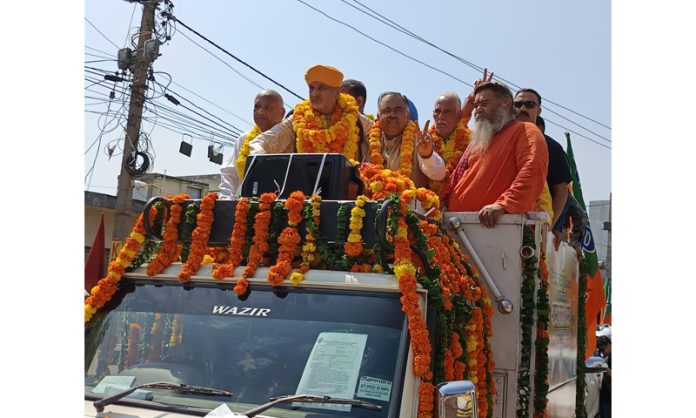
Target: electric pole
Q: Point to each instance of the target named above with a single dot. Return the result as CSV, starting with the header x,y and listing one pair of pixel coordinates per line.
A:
x,y
141,63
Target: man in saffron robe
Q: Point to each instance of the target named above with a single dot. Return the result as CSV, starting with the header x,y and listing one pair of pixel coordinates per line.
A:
x,y
326,108
268,111
505,166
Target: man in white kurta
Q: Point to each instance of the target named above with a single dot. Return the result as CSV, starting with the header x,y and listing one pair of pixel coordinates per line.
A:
x,y
393,117
268,111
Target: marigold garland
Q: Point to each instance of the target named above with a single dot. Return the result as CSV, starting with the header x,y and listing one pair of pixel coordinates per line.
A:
x,y
199,238
526,322
289,240
237,239
580,388
450,149
312,214
405,273
381,183
541,346
406,152
106,287
259,246
316,135
240,163
354,246
168,250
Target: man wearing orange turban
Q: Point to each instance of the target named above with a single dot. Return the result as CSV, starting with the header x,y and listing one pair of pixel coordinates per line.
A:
x,y
328,122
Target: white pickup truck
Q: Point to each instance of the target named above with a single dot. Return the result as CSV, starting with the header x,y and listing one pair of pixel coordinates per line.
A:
x,y
335,345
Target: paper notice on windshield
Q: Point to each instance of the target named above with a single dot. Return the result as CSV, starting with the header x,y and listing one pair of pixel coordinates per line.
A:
x,y
332,368
374,388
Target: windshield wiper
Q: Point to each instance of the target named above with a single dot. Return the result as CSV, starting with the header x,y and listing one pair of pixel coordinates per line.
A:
x,y
179,387
311,399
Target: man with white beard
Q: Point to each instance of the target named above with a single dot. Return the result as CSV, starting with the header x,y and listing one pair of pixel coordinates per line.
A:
x,y
505,165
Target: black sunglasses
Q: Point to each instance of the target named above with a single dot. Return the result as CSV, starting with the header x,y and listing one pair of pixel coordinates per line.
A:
x,y
526,103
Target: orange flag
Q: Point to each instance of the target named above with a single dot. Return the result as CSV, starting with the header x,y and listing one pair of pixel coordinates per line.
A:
x,y
594,308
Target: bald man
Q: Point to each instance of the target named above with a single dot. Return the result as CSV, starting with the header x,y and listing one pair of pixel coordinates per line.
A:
x,y
268,111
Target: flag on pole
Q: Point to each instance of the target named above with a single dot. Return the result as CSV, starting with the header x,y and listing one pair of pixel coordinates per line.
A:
x,y
94,265
595,299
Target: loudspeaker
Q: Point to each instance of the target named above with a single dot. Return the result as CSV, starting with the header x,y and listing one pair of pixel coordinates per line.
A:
x,y
338,179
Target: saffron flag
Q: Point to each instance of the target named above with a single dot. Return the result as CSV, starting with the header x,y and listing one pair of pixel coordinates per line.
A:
x,y
595,300
607,308
94,265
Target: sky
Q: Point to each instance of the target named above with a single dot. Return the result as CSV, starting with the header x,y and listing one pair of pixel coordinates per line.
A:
x,y
561,49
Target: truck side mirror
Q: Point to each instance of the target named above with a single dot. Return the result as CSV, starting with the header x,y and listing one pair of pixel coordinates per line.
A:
x,y
456,399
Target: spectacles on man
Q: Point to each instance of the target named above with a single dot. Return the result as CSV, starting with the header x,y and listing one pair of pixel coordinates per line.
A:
x,y
529,104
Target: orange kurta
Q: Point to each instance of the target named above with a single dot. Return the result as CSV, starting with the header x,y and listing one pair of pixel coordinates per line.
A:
x,y
511,172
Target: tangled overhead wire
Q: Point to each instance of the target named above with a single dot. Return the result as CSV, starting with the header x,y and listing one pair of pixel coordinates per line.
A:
x,y
142,158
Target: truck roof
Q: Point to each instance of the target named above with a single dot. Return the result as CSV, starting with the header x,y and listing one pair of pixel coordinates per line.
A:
x,y
324,279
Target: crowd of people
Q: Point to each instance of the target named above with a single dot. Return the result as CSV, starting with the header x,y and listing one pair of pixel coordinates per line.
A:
x,y
505,164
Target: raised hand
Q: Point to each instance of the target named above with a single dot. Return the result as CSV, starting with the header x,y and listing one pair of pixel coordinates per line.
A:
x,y
468,105
424,143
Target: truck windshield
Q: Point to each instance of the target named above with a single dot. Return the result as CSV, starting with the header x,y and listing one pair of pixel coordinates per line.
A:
x,y
336,343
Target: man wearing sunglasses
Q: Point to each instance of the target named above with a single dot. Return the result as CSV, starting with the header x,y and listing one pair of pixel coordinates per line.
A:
x,y
528,105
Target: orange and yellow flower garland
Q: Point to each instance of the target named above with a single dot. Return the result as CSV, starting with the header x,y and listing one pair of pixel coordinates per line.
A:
x,y
309,249
169,250
106,287
259,246
316,135
289,239
405,273
354,245
429,200
407,143
451,150
237,238
199,238
240,163
381,183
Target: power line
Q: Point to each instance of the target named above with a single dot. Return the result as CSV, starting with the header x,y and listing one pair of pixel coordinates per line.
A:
x,y
219,107
169,15
425,64
578,134
100,32
97,50
228,65
129,25
462,60
223,61
387,46
216,117
193,122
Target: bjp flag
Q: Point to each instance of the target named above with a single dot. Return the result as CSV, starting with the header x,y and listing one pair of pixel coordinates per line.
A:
x,y
595,299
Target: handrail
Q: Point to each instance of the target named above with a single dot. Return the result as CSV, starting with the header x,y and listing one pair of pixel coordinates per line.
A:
x,y
504,305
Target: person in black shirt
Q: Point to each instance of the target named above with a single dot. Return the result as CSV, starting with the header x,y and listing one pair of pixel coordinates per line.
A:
x,y
604,348
528,105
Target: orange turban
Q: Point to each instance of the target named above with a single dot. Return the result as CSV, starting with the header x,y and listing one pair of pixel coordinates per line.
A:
x,y
330,76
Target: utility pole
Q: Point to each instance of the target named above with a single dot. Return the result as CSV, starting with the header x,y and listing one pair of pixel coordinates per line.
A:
x,y
123,223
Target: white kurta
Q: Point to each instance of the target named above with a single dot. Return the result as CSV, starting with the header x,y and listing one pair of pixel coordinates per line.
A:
x,y
229,177
432,167
281,138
